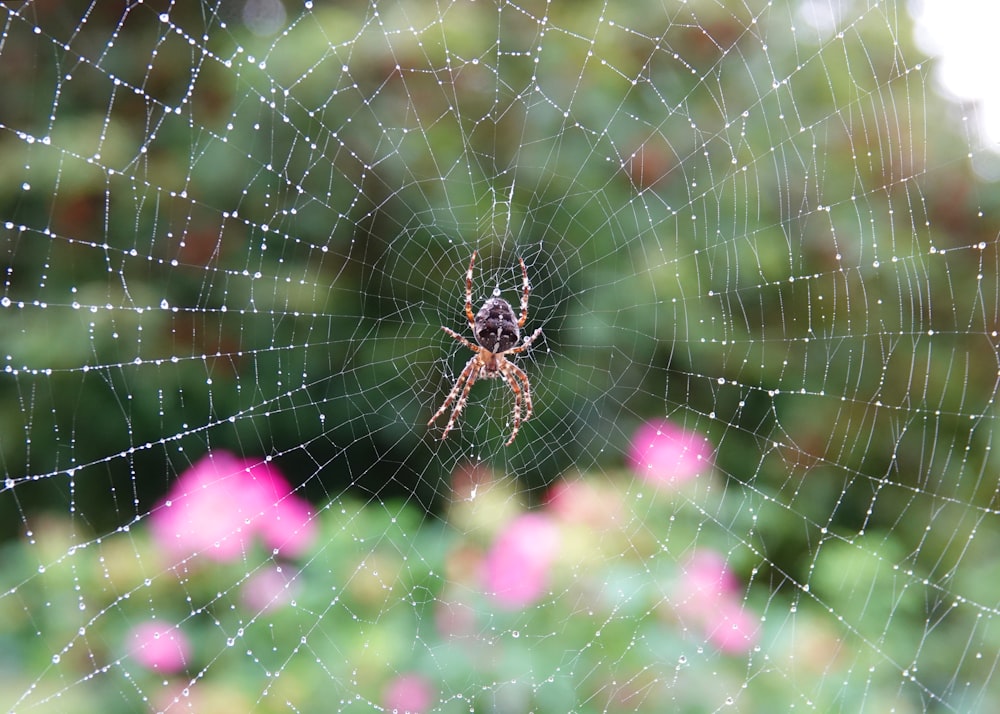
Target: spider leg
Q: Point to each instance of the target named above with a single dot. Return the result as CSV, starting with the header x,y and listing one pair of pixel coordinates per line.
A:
x,y
468,293
506,371
463,377
473,369
474,348
519,374
524,295
527,342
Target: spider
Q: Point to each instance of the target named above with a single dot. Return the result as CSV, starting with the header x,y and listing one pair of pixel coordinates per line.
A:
x,y
497,333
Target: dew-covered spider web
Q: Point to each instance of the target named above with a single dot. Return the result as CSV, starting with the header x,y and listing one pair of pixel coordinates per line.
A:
x,y
757,476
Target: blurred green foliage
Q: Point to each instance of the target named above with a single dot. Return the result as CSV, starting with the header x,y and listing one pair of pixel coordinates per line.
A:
x,y
386,590
255,252
216,240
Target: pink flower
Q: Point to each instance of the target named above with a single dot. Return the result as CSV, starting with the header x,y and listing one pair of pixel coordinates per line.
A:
x,y
733,630
454,618
585,503
516,570
667,455
268,589
707,579
160,646
222,502
408,694
709,593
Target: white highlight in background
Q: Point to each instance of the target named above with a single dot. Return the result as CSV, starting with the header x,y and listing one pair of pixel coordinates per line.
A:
x,y
962,35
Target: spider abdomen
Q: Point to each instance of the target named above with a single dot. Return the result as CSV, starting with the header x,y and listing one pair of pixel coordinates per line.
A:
x,y
496,326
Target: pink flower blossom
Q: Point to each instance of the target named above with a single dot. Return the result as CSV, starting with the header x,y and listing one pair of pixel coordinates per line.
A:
x,y
710,595
269,589
160,646
668,455
222,502
584,503
408,694
707,579
454,618
734,630
516,570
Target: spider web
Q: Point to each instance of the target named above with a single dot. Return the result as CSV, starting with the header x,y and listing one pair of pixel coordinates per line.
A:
x,y
763,257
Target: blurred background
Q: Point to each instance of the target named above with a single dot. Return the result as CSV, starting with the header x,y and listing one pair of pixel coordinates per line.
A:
x,y
761,243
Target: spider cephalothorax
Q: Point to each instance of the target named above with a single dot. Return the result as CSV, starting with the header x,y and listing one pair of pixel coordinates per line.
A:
x,y
498,332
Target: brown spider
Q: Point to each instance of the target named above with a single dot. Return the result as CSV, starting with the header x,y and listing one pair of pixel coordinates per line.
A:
x,y
497,333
